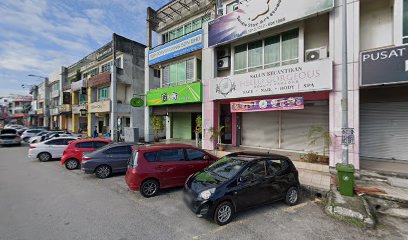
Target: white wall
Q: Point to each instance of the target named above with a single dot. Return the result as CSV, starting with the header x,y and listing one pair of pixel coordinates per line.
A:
x,y
121,92
376,24
317,32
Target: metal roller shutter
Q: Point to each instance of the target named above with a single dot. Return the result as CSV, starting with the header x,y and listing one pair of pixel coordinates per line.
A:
x,y
384,130
260,129
296,125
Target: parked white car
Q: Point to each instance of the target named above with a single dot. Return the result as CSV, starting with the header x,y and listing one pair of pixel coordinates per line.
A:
x,y
37,138
49,149
27,134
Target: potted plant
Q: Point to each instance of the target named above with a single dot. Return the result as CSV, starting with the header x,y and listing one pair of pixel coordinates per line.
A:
x,y
217,133
157,125
320,133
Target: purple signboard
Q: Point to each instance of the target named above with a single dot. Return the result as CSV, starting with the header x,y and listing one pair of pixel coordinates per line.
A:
x,y
279,104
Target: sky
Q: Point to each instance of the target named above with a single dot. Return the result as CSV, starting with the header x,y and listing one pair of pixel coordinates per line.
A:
x,y
39,36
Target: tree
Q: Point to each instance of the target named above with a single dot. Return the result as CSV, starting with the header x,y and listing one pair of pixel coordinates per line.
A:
x,y
157,125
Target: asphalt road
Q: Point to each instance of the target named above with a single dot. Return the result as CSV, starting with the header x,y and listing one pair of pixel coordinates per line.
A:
x,y
41,201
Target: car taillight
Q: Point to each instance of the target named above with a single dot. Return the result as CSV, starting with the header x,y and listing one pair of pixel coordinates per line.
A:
x,y
32,147
18,138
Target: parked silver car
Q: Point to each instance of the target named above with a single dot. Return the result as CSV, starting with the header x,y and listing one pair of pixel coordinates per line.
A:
x,y
9,137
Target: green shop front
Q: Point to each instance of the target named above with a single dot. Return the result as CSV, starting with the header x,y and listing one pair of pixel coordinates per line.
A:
x,y
180,105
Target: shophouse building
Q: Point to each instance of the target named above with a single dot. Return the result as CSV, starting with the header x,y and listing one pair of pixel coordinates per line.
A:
x,y
18,108
54,83
382,34
42,111
174,66
102,90
272,73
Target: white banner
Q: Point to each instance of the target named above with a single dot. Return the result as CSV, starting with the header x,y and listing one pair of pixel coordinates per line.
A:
x,y
303,77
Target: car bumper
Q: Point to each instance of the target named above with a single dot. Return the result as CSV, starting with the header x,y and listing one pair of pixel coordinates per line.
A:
x,y
9,142
202,208
87,170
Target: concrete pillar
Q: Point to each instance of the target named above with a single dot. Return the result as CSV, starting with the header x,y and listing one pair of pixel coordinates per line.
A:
x,y
335,97
168,126
209,108
90,122
148,132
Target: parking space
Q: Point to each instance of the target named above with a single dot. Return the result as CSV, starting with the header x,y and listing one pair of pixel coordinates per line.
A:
x,y
46,201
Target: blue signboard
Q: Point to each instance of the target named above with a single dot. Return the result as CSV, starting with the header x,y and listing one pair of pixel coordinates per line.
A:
x,y
189,43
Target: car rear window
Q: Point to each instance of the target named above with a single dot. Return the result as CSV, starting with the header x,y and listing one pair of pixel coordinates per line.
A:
x,y
84,145
171,155
150,156
100,144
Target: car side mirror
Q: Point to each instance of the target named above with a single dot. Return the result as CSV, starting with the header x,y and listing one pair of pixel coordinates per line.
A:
x,y
206,157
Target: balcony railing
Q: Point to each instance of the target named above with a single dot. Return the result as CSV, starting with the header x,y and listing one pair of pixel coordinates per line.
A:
x,y
99,80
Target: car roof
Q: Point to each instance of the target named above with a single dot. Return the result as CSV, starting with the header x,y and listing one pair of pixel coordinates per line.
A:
x,y
257,155
92,140
159,146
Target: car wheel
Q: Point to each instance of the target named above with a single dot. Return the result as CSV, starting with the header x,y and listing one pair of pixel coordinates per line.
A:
x,y
44,157
71,164
224,213
292,196
149,188
103,171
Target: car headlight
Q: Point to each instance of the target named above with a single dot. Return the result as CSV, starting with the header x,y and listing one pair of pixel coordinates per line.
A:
x,y
206,194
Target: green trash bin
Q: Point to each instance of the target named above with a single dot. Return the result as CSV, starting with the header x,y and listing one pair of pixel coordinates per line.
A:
x,y
345,173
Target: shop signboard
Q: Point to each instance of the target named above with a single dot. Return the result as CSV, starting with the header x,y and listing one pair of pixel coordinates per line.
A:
x,y
347,136
189,43
257,15
98,107
279,104
77,109
304,77
384,66
187,93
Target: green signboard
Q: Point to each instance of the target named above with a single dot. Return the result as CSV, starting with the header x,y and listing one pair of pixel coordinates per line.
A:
x,y
136,102
187,93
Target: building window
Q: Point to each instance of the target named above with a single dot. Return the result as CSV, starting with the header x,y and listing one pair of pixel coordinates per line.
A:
x,y
91,73
275,51
156,73
178,73
232,6
405,23
106,67
103,93
186,28
55,87
83,98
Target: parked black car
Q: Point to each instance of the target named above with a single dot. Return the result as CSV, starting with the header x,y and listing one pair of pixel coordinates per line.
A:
x,y
109,159
239,181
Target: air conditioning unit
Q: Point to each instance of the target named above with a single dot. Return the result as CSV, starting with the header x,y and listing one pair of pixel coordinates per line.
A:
x,y
315,54
223,63
223,52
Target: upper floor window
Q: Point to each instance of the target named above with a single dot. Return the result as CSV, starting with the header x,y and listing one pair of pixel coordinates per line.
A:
x,y
185,29
106,67
275,51
233,6
91,73
83,98
103,93
405,23
178,73
55,87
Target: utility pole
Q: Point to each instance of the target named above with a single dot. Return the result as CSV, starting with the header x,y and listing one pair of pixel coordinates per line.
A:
x,y
344,101
114,102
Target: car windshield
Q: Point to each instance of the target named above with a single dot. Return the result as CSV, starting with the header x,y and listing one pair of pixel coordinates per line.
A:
x,y
227,167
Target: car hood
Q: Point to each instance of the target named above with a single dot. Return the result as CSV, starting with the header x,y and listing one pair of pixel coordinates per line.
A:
x,y
204,180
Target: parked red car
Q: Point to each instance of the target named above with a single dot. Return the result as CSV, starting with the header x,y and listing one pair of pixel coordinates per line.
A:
x,y
153,167
72,156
